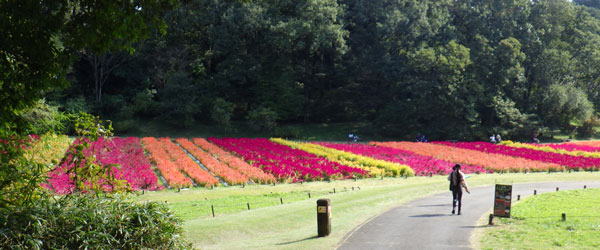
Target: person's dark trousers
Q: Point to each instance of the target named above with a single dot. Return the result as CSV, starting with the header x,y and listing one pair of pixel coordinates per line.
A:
x,y
456,197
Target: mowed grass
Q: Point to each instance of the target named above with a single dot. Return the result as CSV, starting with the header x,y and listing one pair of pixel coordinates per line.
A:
x,y
293,224
537,223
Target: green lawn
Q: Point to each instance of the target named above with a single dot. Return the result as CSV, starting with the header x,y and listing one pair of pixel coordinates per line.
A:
x,y
537,224
293,224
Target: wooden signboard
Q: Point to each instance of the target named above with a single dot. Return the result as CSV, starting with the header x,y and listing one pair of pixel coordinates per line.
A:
x,y
502,200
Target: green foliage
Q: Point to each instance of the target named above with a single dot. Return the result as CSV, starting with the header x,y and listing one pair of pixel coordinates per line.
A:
x,y
263,119
76,105
393,64
179,101
90,222
564,104
20,177
221,112
511,121
40,41
43,118
287,132
588,127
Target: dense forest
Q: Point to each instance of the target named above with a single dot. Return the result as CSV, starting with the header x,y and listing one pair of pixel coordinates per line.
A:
x,y
454,69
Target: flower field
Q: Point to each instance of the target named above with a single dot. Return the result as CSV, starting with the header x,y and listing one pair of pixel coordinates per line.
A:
x,y
563,160
218,168
373,166
127,153
253,173
186,165
153,163
167,167
574,150
589,147
286,163
421,165
495,162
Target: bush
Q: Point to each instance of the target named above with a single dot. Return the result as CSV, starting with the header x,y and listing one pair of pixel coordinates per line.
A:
x,y
43,118
74,222
262,118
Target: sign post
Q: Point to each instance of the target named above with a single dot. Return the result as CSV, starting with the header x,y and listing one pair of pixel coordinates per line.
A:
x,y
323,217
502,200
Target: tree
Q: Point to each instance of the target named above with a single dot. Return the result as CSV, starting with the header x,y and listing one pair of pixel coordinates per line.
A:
x,y
102,66
40,41
564,104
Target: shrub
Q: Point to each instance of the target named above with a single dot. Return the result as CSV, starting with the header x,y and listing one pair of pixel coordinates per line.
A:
x,y
43,118
89,222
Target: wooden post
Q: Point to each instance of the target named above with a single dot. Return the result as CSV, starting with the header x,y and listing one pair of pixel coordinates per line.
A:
x,y
556,189
564,217
281,200
534,192
491,221
334,190
309,195
212,208
519,197
248,204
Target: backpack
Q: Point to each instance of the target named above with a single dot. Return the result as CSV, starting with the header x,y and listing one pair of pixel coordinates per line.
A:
x,y
453,186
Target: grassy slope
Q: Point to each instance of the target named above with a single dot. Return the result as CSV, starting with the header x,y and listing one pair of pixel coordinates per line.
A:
x,y
293,225
536,223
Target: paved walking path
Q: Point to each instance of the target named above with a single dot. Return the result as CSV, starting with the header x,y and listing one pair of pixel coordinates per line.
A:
x,y
428,224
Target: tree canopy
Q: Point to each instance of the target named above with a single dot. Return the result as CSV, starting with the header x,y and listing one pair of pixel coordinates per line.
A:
x,y
451,69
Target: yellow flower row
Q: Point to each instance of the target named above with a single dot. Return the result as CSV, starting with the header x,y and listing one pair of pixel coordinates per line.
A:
x,y
49,149
551,150
373,166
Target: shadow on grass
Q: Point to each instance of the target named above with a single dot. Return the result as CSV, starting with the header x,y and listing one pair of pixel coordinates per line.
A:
x,y
296,241
429,215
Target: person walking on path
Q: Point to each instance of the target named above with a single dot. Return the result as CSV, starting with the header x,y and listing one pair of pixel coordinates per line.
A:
x,y
457,182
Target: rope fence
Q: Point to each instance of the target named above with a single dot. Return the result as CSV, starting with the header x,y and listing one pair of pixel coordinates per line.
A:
x,y
213,209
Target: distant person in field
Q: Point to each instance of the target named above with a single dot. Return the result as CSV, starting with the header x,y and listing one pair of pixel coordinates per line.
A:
x,y
457,183
498,138
493,139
